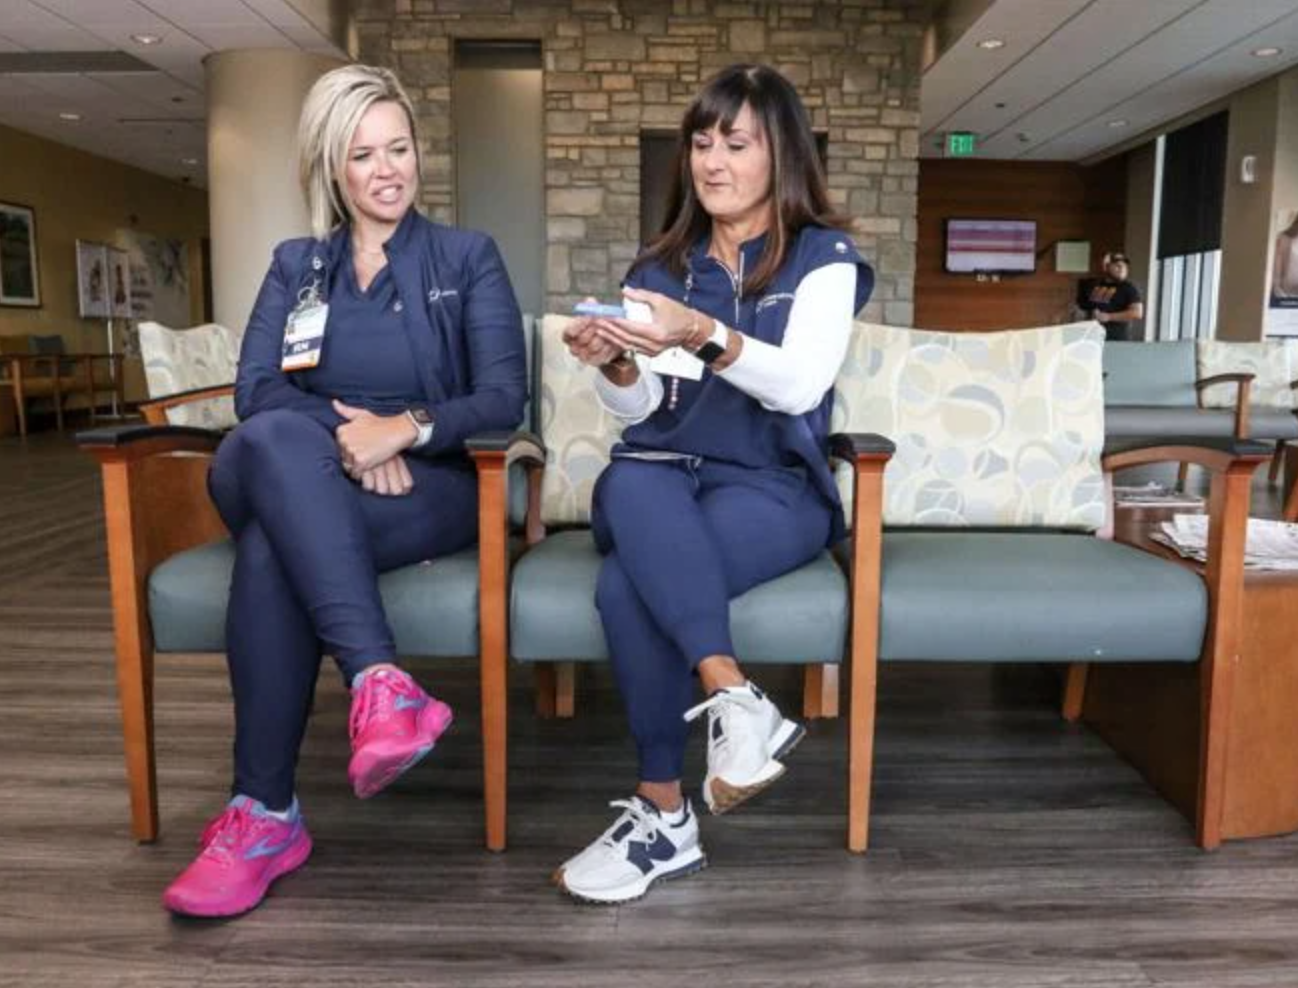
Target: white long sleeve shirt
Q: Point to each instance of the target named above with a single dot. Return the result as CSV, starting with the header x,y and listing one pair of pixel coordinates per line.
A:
x,y
792,377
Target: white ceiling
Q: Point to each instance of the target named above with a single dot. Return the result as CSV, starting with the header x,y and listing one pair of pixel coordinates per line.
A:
x,y
1069,67
154,120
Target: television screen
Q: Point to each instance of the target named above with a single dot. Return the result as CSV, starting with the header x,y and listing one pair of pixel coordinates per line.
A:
x,y
994,246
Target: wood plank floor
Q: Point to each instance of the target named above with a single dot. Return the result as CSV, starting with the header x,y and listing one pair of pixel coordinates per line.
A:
x,y
1010,850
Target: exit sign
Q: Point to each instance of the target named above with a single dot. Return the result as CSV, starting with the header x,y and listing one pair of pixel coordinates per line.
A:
x,y
960,145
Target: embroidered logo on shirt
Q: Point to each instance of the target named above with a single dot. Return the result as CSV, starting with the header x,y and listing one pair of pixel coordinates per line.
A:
x,y
840,247
437,294
773,299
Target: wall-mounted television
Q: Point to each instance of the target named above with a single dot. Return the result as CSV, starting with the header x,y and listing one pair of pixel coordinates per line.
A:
x,y
991,246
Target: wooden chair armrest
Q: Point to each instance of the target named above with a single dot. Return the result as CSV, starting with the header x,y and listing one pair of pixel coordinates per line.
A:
x,y
155,409
494,453
1244,382
132,443
1215,455
851,446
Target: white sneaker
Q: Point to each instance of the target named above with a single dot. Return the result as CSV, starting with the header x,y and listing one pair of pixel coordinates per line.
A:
x,y
747,737
638,850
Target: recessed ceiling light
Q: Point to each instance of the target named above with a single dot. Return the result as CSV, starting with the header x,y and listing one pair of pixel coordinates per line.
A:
x,y
1266,52
991,44
146,39
69,115
1115,124
189,161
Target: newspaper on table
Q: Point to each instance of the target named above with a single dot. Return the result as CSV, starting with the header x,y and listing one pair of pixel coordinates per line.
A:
x,y
1270,544
1153,495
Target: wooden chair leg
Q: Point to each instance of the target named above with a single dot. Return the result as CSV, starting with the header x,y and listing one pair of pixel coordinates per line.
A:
x,y
1075,691
135,694
133,644
1182,476
58,400
860,744
1277,461
20,400
1290,512
543,678
820,691
565,689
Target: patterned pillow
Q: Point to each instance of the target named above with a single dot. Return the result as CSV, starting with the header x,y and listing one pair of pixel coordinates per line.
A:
x,y
577,430
177,360
1273,362
999,429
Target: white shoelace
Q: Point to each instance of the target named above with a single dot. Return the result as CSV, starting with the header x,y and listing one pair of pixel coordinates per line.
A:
x,y
644,827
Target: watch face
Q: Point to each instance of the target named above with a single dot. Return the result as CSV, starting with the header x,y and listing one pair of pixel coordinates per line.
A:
x,y
421,416
709,352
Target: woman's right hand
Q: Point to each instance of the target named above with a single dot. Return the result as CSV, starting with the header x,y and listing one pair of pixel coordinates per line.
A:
x,y
391,478
585,342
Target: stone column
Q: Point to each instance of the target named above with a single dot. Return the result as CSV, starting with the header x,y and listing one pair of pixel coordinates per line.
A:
x,y
254,98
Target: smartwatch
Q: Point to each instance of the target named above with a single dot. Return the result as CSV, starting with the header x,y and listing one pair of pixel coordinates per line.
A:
x,y
715,347
422,421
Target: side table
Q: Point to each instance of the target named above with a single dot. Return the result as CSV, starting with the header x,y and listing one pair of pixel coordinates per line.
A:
x,y
1150,714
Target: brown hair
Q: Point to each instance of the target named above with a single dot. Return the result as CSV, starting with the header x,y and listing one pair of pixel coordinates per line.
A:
x,y
798,190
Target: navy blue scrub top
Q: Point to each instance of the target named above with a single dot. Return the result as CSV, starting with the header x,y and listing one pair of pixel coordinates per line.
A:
x,y
366,361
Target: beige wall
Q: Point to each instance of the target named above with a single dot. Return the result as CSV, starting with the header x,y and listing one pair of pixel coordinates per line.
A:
x,y
1138,236
1246,213
80,196
1264,123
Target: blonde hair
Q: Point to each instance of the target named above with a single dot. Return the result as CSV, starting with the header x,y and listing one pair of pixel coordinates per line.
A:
x,y
330,115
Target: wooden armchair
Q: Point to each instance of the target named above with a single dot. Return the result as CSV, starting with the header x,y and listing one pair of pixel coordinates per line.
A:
x,y
170,560
981,544
56,375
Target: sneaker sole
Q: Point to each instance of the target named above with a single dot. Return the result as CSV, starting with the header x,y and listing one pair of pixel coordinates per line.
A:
x,y
287,863
722,797
636,891
380,770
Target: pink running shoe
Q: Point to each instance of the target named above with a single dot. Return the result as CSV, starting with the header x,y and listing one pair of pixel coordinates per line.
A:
x,y
244,850
393,725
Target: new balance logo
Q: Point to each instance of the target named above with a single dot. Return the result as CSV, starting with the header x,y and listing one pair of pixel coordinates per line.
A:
x,y
643,855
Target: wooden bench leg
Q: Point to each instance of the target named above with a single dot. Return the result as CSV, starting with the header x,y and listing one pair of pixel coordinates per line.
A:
x,y
820,691
1182,476
565,689
1075,691
1277,460
556,689
543,679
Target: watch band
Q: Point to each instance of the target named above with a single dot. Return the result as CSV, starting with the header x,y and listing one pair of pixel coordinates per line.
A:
x,y
423,422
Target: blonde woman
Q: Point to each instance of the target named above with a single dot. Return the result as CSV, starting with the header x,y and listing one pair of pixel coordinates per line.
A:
x,y
376,347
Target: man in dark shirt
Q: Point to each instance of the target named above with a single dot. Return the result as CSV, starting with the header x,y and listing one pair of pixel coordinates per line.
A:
x,y
1112,300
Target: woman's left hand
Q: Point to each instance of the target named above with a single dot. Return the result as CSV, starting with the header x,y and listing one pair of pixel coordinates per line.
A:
x,y
672,324
365,440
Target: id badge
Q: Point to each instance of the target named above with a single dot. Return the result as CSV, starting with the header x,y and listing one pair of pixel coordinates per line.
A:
x,y
677,362
304,336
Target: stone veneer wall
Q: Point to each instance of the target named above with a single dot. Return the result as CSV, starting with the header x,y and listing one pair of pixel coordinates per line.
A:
x,y
613,67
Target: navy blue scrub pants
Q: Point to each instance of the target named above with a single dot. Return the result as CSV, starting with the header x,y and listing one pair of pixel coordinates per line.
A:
x,y
681,539
309,545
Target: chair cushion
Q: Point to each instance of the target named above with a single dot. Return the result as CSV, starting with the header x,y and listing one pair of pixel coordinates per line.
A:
x,y
1273,362
432,607
996,429
995,596
1150,374
800,617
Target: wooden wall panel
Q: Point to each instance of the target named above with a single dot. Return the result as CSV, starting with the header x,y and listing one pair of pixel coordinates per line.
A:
x,y
1068,201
